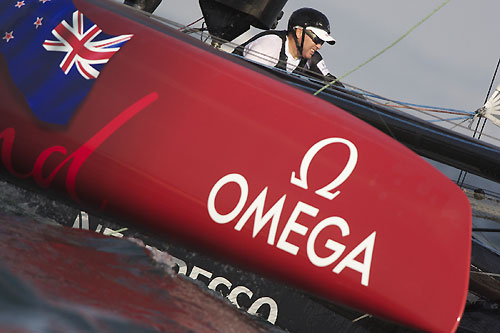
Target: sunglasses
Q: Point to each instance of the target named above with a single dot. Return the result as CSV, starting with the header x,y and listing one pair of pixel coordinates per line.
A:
x,y
314,38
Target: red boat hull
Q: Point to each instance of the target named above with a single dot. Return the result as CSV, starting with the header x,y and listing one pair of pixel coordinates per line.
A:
x,y
190,143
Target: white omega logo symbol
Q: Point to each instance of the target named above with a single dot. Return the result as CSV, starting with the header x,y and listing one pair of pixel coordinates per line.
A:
x,y
326,191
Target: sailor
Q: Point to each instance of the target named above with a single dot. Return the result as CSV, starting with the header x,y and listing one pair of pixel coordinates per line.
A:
x,y
295,49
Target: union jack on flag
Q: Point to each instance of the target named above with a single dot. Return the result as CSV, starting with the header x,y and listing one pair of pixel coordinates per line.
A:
x,y
80,48
53,63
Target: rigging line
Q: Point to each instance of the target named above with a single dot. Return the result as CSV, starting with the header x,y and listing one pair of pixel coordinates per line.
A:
x,y
201,34
486,99
371,107
464,118
467,114
461,178
410,107
386,125
492,81
431,108
297,75
482,127
267,57
190,24
420,108
437,110
385,49
488,94
463,121
479,121
372,95
486,273
271,59
368,94
264,57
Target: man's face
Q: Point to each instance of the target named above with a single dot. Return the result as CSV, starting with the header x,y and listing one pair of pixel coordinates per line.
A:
x,y
309,46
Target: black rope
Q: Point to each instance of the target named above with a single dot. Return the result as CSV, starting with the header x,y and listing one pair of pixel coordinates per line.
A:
x,y
488,94
462,172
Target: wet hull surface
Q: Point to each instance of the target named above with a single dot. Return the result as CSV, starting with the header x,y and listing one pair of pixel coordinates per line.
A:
x,y
54,278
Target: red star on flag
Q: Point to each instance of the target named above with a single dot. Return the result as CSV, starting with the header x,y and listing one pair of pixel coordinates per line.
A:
x,y
8,36
19,4
38,22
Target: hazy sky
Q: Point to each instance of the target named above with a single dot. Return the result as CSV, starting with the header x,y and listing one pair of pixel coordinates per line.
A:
x,y
448,61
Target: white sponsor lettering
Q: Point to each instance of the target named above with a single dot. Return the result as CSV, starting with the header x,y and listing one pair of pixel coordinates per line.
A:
x,y
294,224
81,221
242,183
181,264
197,271
232,294
260,221
219,281
337,248
362,267
273,308
311,153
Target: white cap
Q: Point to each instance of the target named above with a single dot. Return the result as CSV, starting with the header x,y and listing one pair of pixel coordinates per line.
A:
x,y
323,35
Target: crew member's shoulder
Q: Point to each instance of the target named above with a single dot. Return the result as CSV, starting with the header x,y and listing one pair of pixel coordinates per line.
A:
x,y
268,39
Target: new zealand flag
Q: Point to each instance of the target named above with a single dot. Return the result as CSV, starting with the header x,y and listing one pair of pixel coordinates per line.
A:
x,y
54,54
